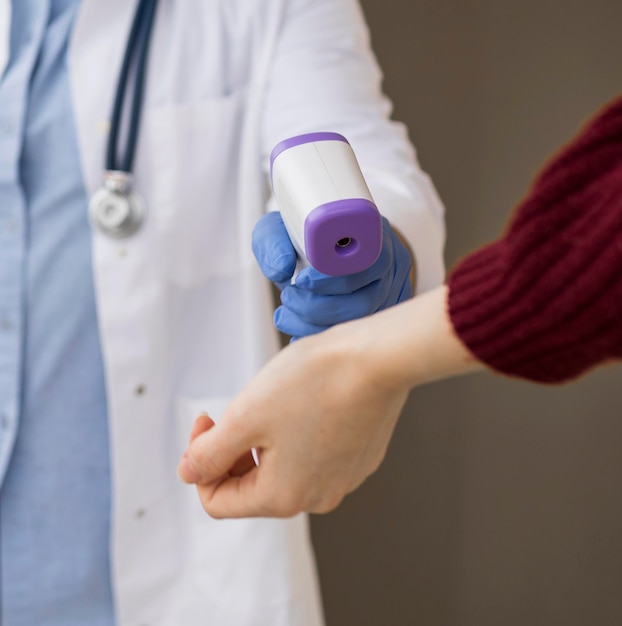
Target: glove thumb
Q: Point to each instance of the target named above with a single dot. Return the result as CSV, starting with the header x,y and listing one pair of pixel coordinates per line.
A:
x,y
273,249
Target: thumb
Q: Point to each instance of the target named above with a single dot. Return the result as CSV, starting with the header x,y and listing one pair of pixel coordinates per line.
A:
x,y
217,453
202,424
273,249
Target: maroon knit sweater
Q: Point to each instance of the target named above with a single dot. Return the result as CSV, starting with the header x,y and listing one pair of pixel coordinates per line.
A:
x,y
544,302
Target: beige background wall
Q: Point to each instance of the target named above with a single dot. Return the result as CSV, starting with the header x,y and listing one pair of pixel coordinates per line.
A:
x,y
500,503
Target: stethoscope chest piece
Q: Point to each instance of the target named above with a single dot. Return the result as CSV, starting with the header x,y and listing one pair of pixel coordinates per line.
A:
x,y
116,210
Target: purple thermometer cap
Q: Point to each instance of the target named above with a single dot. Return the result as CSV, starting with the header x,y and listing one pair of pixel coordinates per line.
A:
x,y
298,140
343,237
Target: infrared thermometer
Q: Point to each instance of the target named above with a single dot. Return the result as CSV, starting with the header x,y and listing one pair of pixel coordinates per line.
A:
x,y
326,206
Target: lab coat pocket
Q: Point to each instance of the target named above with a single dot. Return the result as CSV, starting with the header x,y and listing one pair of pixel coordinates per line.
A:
x,y
240,566
194,156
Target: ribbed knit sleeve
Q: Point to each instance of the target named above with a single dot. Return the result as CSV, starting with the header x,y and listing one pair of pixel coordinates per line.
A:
x,y
544,302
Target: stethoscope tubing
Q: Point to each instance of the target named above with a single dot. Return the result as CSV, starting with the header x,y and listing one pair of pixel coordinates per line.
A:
x,y
137,47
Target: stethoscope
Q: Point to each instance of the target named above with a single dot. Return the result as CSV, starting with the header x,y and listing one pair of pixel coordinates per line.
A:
x,y
116,209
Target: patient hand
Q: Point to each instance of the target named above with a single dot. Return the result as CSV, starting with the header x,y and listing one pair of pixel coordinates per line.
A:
x,y
320,416
322,412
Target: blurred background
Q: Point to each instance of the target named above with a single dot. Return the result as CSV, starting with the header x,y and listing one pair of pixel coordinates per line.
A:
x,y
500,502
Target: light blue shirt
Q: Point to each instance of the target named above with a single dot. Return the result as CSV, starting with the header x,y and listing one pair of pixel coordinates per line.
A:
x,y
54,465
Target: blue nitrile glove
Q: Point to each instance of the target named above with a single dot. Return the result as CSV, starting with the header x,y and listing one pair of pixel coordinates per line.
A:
x,y
318,301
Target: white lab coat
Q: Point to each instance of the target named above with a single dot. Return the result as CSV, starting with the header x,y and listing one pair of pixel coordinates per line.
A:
x,y
185,316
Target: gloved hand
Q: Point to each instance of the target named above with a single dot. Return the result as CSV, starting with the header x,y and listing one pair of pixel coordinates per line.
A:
x,y
317,301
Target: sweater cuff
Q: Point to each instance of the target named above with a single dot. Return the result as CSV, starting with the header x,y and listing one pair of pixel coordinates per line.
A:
x,y
545,301
525,327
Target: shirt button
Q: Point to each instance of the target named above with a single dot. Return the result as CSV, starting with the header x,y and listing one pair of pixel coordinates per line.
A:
x,y
9,226
7,126
5,324
5,422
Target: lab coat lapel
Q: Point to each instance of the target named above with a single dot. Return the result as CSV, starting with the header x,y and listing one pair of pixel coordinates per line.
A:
x,y
5,33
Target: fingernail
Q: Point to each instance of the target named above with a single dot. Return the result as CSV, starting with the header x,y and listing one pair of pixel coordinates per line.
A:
x,y
186,472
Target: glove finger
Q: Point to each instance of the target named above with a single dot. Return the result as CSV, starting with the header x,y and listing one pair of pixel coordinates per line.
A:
x,y
403,276
407,292
312,280
290,324
322,310
401,287
273,249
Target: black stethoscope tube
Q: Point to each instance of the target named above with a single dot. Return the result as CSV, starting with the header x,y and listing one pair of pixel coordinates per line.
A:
x,y
137,46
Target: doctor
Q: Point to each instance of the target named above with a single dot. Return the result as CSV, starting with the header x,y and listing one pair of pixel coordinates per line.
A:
x,y
115,333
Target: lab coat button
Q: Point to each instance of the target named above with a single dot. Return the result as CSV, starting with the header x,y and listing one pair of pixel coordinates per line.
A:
x,y
140,513
140,390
